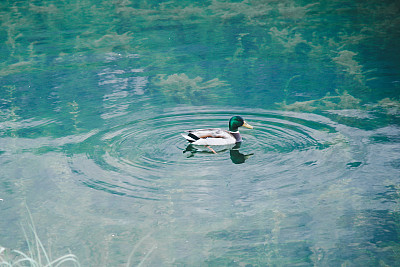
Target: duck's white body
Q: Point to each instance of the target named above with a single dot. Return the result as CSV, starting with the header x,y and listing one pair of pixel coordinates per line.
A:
x,y
212,137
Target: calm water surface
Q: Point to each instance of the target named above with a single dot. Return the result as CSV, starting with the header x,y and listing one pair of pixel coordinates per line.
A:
x,y
94,96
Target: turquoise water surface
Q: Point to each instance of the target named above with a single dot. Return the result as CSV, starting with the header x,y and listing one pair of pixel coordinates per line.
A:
x,y
94,96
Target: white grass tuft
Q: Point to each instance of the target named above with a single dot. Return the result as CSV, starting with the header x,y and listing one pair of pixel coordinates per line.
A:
x,y
36,255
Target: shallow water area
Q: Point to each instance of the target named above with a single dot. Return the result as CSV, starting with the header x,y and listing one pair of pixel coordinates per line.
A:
x,y
292,185
94,96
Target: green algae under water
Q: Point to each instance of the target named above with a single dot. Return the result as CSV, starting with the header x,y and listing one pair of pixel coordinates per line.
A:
x,y
94,96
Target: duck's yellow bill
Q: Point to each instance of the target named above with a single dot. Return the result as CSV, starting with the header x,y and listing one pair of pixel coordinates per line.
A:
x,y
245,124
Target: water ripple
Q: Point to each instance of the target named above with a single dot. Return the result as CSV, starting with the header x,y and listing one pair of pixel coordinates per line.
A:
x,y
145,157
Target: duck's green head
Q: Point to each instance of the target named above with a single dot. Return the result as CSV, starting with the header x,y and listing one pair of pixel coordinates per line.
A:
x,y
236,121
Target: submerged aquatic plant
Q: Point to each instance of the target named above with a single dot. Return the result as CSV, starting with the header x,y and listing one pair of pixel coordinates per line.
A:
x,y
391,106
288,38
36,256
345,59
105,43
135,250
340,101
181,88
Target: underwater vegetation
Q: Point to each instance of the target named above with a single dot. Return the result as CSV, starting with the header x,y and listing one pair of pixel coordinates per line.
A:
x,y
263,31
340,101
391,106
181,89
37,255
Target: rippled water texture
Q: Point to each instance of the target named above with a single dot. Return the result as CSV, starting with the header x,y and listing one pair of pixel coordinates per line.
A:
x,y
144,155
94,96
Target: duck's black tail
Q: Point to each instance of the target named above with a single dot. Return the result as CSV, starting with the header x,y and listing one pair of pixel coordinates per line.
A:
x,y
195,137
191,137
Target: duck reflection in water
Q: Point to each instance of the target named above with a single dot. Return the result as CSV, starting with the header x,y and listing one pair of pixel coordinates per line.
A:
x,y
236,156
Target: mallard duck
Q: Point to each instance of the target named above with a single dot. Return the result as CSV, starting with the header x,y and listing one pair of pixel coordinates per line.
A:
x,y
217,136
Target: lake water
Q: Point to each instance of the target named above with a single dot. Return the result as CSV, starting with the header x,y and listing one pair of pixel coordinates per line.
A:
x,y
94,96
